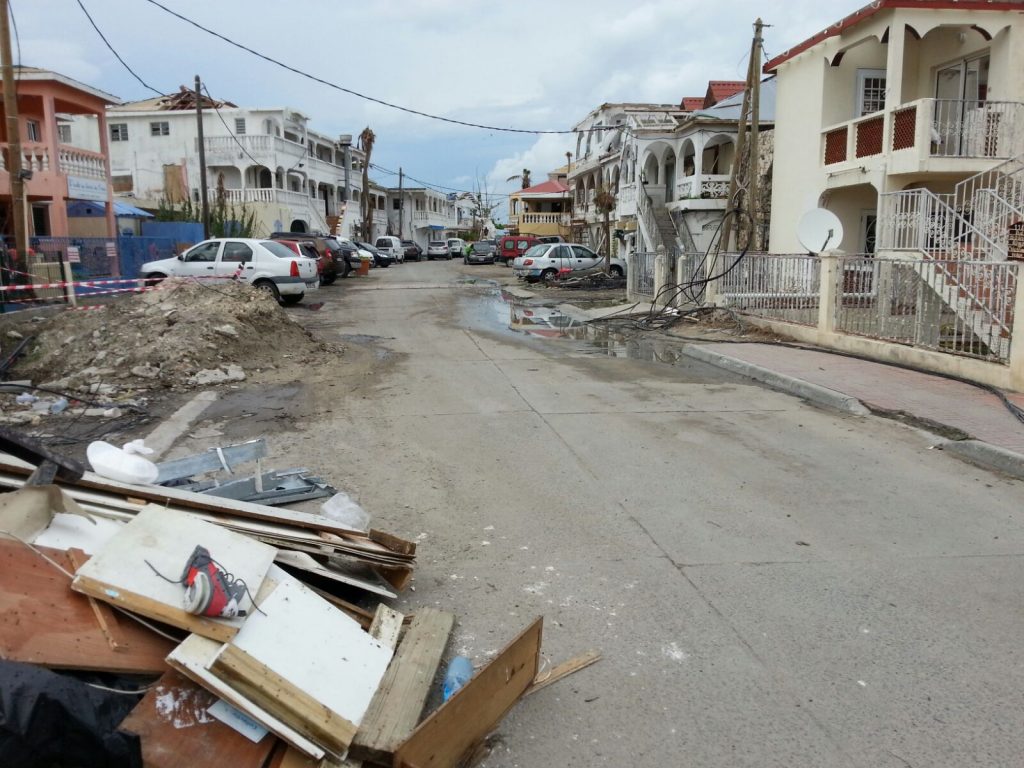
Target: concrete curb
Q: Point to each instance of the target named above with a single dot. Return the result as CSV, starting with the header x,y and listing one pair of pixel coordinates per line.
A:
x,y
987,456
829,398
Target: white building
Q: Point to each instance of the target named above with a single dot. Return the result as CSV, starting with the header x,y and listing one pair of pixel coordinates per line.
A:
x,y
422,214
269,160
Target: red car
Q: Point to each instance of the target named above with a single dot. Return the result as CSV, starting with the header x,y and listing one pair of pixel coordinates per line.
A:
x,y
513,246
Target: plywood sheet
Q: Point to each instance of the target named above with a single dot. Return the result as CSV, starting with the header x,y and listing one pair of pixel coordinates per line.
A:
x,y
193,657
162,539
87,534
460,724
177,731
42,621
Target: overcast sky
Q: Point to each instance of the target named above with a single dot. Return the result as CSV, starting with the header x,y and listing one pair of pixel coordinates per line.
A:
x,y
538,64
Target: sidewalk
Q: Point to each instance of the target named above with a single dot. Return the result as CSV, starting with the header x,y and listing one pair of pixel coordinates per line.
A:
x,y
969,409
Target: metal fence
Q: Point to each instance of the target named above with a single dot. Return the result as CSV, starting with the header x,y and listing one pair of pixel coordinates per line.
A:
x,y
963,307
774,286
640,274
134,251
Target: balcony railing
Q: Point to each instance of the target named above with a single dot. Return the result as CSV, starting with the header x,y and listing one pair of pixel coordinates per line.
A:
x,y
82,162
545,218
929,128
34,157
706,187
267,195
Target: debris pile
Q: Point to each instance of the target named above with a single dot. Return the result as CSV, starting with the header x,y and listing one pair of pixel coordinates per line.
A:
x,y
236,619
185,334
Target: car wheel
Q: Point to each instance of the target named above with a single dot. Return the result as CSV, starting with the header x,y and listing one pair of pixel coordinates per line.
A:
x,y
154,278
328,279
346,269
548,274
616,270
268,287
292,298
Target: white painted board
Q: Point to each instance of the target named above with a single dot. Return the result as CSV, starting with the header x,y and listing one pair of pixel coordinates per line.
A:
x,y
316,647
237,720
75,531
166,539
192,658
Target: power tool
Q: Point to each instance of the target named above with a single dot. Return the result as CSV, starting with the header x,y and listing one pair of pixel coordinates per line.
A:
x,y
209,589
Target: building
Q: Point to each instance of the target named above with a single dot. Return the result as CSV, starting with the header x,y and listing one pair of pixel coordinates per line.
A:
x,y
269,160
542,209
63,167
422,214
892,117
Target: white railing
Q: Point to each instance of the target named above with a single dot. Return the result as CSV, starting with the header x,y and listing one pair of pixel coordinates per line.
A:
x,y
776,286
34,157
647,222
920,220
959,307
561,219
82,162
975,128
220,147
640,273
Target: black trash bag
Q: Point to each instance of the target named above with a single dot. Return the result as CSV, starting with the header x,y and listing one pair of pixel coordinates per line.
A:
x,y
48,719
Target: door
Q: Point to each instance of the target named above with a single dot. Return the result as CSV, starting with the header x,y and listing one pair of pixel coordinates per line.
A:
x,y
959,122
236,260
200,261
870,92
583,258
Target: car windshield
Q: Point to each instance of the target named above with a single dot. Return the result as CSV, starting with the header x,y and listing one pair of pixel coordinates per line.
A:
x,y
438,244
481,247
536,252
278,249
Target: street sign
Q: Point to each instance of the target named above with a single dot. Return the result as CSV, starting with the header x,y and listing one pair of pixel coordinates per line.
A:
x,y
74,256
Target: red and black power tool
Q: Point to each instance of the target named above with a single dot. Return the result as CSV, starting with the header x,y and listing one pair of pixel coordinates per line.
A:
x,y
209,589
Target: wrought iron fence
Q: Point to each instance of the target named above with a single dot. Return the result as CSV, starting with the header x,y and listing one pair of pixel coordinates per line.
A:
x,y
964,307
640,274
776,286
975,128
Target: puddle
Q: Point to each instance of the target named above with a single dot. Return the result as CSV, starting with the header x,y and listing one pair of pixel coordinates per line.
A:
x,y
540,321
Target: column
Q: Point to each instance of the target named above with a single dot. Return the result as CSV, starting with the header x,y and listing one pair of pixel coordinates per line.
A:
x,y
1017,337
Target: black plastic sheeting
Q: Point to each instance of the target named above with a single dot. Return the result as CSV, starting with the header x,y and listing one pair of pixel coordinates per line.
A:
x,y
48,719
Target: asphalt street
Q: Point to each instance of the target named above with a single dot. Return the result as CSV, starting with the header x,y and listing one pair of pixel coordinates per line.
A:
x,y
770,583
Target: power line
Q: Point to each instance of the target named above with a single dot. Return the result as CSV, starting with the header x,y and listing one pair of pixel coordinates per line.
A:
x,y
116,54
213,103
335,86
434,186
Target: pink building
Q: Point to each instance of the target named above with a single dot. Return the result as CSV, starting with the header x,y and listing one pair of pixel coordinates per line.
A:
x,y
68,158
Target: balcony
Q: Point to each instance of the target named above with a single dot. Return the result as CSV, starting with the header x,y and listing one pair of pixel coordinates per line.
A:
x,y
939,135
82,162
703,187
34,157
561,219
265,195
432,219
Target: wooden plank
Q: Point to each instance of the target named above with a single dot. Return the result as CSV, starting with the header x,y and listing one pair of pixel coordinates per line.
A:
x,y
398,704
43,622
105,617
303,561
386,626
160,541
177,732
192,657
459,725
564,669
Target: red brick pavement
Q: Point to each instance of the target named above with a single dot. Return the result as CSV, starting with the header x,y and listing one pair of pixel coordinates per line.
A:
x,y
971,409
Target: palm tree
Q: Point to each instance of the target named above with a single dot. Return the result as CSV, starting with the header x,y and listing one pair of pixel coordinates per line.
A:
x,y
523,178
366,139
604,201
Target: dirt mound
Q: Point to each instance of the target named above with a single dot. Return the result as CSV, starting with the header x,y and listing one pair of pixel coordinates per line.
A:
x,y
185,334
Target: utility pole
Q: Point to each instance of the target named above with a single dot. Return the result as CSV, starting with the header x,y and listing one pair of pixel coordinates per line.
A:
x,y
401,203
203,196
753,172
18,176
753,67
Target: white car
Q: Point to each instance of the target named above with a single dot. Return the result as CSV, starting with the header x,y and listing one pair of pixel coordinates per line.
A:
x,y
265,264
549,260
391,246
456,247
438,249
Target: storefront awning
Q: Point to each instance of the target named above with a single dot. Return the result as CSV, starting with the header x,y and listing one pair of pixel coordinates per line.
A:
x,y
86,208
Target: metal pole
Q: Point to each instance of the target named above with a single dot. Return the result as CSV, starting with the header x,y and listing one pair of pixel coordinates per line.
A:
x,y
13,136
401,203
203,195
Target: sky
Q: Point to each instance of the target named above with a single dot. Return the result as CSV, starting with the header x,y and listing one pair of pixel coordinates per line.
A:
x,y
530,64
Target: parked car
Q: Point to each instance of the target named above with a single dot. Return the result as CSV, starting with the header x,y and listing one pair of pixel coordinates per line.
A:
x,y
361,253
479,253
390,246
266,264
493,244
413,252
346,255
331,266
456,247
379,259
308,249
513,246
438,249
546,261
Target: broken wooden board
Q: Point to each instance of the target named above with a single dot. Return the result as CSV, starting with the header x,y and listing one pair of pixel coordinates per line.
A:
x,y
398,705
176,730
192,659
158,541
42,621
367,581
459,725
27,512
564,669
307,663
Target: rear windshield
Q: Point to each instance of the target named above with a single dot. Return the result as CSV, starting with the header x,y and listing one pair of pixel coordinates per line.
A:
x,y
537,251
439,243
279,250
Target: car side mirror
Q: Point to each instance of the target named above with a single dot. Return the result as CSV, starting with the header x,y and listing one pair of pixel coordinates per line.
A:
x,y
181,257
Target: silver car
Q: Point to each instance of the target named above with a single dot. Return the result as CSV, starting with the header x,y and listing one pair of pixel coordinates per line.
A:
x,y
549,260
438,249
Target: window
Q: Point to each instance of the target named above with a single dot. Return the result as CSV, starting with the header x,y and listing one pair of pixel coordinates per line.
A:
x,y
240,126
64,133
32,132
239,252
396,204
203,252
583,253
119,131
160,129
870,91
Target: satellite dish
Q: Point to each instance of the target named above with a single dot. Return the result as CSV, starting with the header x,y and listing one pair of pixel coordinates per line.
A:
x,y
819,230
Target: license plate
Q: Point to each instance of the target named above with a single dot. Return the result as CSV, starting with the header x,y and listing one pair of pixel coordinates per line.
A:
x,y
520,272
312,286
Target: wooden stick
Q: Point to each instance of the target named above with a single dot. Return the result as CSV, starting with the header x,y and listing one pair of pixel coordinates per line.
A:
x,y
564,669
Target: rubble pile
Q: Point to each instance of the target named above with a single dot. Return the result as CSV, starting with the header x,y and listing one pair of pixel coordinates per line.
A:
x,y
186,334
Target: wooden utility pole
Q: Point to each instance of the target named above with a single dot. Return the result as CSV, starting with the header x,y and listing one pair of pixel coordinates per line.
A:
x,y
401,203
753,171
13,136
203,195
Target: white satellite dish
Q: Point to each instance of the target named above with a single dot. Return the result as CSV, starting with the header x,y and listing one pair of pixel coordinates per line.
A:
x,y
819,230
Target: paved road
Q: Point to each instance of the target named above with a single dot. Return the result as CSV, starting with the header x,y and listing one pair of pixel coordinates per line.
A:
x,y
770,584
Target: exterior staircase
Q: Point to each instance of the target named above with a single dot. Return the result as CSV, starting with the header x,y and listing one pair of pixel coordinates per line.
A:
x,y
964,237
